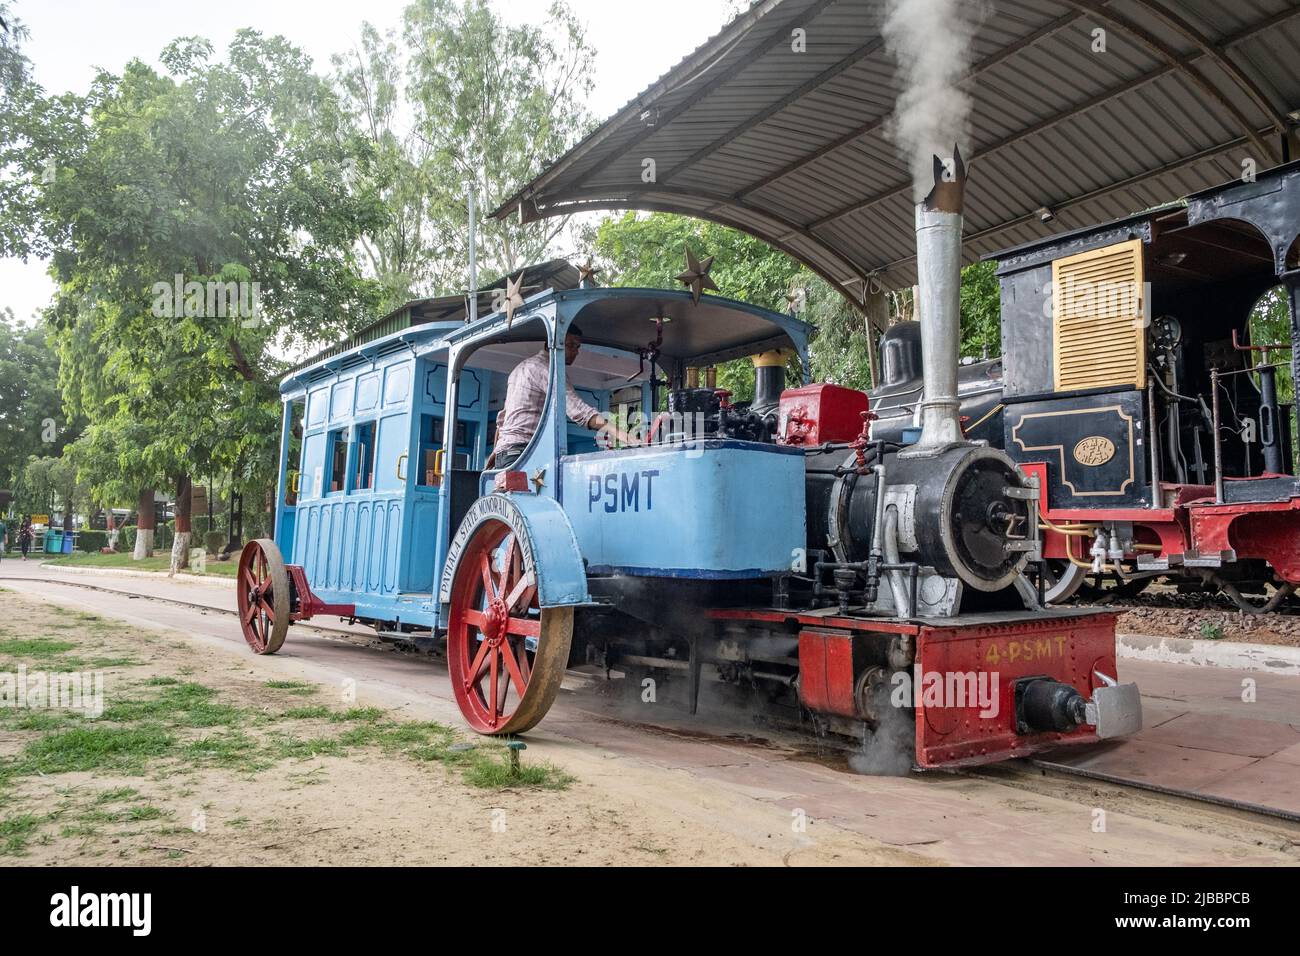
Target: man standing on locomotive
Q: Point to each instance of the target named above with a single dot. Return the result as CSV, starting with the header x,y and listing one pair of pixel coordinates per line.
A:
x,y
525,397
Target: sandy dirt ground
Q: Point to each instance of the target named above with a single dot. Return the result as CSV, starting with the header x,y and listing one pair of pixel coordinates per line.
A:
x,y
648,789
364,806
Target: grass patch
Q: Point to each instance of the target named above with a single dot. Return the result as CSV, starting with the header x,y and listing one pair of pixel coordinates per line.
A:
x,y
174,725
16,831
493,772
43,721
318,712
117,795
37,648
301,688
367,714
118,749
284,747
182,705
161,563
79,830
232,750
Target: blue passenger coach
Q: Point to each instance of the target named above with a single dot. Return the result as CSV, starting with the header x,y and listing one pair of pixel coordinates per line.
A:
x,y
384,448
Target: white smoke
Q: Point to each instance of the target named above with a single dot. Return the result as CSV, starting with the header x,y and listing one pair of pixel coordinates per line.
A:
x,y
931,42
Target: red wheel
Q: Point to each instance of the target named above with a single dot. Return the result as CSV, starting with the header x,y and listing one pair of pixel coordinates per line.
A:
x,y
263,596
506,655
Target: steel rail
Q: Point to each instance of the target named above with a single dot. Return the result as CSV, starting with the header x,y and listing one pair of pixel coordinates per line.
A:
x,y
167,600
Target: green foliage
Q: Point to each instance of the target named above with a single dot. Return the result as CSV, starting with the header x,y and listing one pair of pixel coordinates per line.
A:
x,y
92,541
31,410
214,541
981,311
648,250
490,102
1270,322
219,171
639,249
53,483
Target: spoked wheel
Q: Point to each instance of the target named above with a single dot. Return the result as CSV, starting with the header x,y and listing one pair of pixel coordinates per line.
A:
x,y
1061,580
263,596
506,654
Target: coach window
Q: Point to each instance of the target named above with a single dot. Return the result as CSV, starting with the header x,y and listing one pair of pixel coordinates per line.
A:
x,y
293,452
363,478
430,441
336,453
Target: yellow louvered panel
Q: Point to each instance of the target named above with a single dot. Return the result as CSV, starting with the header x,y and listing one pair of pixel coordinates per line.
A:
x,y
1099,339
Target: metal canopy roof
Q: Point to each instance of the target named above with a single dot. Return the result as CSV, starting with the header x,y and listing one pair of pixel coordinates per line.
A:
x,y
714,330
791,147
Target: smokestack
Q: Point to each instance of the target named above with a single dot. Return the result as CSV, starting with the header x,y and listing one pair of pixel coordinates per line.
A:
x,y
938,265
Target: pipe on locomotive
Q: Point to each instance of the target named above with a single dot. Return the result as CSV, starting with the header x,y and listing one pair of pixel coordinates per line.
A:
x,y
938,263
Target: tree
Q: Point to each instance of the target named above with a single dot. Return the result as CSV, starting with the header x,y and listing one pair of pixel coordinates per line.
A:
x,y
649,251
52,485
981,310
31,417
200,220
490,103
1270,323
639,249
400,253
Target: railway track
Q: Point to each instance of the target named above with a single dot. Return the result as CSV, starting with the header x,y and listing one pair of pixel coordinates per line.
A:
x,y
1226,803
193,605
1016,770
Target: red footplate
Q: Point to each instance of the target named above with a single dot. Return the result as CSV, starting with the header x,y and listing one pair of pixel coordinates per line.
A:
x,y
964,683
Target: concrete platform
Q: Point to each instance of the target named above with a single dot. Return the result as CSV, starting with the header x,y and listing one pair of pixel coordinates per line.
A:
x,y
1213,730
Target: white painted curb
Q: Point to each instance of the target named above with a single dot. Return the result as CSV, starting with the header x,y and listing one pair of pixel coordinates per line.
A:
x,y
1270,658
211,580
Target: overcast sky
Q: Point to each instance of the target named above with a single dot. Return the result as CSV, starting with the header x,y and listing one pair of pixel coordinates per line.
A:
x,y
635,43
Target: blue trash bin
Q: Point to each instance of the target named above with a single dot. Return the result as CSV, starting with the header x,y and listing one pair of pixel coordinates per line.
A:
x,y
53,541
69,540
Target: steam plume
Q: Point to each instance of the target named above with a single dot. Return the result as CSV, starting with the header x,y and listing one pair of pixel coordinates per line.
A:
x,y
931,42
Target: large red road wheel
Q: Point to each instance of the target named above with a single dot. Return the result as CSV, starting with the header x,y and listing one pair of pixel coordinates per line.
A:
x,y
263,596
506,655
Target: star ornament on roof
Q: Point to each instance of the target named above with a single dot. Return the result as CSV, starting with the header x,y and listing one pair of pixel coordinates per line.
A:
x,y
587,275
513,298
696,277
795,299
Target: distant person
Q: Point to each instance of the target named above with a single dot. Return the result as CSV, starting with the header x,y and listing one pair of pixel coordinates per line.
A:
x,y
4,531
525,396
25,537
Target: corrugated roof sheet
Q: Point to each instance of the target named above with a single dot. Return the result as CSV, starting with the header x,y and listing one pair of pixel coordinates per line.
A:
x,y
792,147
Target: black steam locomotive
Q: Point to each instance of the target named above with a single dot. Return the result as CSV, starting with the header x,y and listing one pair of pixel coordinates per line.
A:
x,y
1132,384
